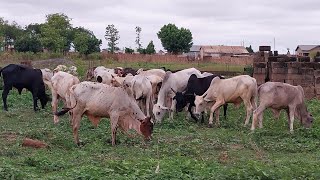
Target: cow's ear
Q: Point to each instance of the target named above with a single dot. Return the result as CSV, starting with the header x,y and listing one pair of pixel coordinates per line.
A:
x,y
207,100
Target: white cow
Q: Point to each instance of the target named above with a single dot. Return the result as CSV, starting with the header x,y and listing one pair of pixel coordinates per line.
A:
x,y
172,82
158,72
96,100
233,90
61,83
46,76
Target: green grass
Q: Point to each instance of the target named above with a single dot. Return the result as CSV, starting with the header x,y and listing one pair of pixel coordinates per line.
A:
x,y
181,148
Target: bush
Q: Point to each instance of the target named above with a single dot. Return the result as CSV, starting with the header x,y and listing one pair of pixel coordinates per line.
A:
x,y
248,70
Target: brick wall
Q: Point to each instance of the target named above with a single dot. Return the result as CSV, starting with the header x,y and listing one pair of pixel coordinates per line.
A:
x,y
305,74
176,59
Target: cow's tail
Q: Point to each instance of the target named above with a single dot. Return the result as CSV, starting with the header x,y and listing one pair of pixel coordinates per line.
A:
x,y
70,100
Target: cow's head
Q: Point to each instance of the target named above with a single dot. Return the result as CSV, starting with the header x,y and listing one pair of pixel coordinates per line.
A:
x,y
159,111
201,103
305,117
146,128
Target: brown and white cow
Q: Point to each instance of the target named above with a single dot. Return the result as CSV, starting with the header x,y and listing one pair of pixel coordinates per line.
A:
x,y
98,100
233,90
278,96
61,83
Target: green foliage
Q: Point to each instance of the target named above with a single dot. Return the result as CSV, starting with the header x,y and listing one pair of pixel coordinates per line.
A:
x,y
9,33
150,48
248,70
28,43
175,40
56,33
181,149
129,50
85,42
249,49
112,36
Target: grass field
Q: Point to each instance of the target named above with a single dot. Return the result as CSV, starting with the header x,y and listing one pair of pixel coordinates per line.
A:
x,y
181,148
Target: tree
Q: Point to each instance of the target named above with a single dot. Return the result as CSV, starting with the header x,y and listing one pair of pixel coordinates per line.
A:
x,y
175,40
138,38
30,40
150,48
112,36
249,49
85,42
9,33
56,33
128,50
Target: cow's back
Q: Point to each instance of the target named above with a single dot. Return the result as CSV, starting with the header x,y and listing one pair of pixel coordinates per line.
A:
x,y
279,95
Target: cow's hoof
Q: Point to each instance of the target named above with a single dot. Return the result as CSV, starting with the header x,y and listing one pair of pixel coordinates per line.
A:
x,y
80,144
210,126
5,109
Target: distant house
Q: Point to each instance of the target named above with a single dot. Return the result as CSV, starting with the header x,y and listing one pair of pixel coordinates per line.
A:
x,y
194,51
160,52
218,51
305,50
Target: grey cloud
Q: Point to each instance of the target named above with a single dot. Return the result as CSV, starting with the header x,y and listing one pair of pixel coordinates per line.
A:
x,y
226,22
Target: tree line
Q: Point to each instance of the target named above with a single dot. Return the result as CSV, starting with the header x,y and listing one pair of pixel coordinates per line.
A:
x,y
57,34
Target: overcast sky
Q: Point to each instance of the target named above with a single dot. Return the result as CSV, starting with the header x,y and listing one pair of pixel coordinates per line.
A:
x,y
212,22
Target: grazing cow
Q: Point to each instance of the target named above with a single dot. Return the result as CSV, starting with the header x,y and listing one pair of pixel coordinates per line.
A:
x,y
158,72
60,68
195,86
172,82
99,100
142,92
90,73
233,90
127,71
156,82
20,76
72,70
46,76
278,96
61,83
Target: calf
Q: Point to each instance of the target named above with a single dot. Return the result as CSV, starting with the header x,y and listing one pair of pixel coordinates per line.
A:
x,y
232,90
195,86
61,83
278,96
20,76
98,100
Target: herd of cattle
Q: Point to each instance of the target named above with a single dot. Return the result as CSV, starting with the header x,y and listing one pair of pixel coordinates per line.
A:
x,y
131,99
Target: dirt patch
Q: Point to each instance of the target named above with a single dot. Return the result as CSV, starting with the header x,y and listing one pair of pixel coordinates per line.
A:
x,y
51,63
236,146
9,136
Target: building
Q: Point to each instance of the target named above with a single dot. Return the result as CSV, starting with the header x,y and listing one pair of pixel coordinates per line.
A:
x,y
194,52
218,51
306,50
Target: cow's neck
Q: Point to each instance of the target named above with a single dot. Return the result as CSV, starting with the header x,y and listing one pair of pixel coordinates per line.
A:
x,y
137,113
162,96
131,123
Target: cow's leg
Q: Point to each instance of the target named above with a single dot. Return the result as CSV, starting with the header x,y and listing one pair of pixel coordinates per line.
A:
x,y
148,101
291,119
76,118
114,122
54,104
257,117
172,109
225,108
276,113
249,109
35,98
213,109
217,114
191,113
5,93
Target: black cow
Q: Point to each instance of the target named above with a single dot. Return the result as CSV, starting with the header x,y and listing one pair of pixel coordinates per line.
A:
x,y
21,76
195,86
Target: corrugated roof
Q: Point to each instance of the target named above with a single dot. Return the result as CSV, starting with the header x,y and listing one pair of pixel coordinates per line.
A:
x,y
225,49
306,47
195,48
